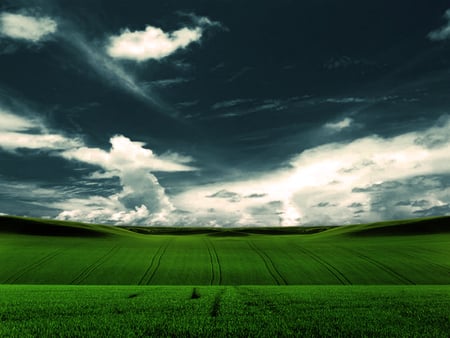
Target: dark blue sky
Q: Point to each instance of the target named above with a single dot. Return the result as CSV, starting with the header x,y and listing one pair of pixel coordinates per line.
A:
x,y
224,112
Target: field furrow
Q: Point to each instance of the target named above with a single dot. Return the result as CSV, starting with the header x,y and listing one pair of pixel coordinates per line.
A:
x,y
216,271
94,266
268,263
331,268
402,279
425,254
215,308
14,278
147,273
211,263
158,261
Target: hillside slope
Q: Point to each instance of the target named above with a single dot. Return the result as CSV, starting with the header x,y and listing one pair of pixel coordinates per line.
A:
x,y
49,252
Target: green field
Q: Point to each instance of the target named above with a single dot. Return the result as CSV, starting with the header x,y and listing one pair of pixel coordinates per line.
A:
x,y
239,311
43,253
385,279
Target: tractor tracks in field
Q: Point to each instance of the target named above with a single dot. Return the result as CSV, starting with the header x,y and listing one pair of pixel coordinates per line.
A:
x,y
270,266
216,276
94,266
331,268
12,279
428,260
381,266
149,274
215,308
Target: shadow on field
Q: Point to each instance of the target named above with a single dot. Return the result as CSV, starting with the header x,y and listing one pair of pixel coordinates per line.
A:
x,y
16,225
195,294
228,233
401,228
306,230
168,230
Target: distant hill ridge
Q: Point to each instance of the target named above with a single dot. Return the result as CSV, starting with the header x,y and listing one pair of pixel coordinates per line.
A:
x,y
47,227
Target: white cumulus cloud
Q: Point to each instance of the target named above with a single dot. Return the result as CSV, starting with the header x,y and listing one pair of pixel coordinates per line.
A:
x,y
153,42
128,155
18,26
142,199
322,182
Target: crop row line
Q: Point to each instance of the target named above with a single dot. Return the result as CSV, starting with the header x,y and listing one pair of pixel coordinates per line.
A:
x,y
331,268
214,262
380,265
270,266
154,264
416,251
94,266
215,308
32,266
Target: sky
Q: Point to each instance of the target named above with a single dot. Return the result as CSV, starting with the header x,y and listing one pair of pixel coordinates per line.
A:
x,y
225,113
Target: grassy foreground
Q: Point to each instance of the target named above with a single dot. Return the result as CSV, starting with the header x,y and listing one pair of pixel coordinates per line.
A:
x,y
66,279
268,311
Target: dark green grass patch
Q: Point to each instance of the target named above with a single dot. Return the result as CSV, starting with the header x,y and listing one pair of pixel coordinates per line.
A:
x,y
44,227
438,225
36,227
308,311
228,233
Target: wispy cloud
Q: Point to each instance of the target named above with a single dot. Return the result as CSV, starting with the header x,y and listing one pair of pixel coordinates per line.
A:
x,y
91,52
340,125
28,28
36,29
442,33
165,83
110,71
344,62
241,107
346,100
229,195
18,132
239,74
11,122
13,141
349,100
230,103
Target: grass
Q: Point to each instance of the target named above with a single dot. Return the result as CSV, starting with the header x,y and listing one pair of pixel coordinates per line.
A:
x,y
269,311
362,254
382,279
